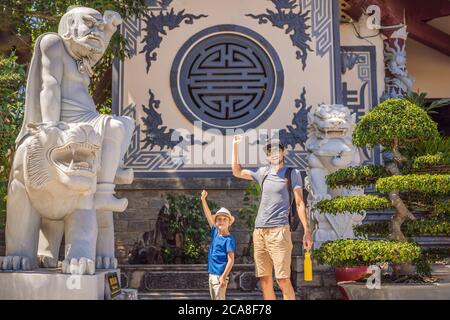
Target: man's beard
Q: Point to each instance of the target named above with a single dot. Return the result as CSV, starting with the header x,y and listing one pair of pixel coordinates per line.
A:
x,y
83,50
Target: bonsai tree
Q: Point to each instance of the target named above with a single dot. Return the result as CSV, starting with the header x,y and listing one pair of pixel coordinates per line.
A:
x,y
410,179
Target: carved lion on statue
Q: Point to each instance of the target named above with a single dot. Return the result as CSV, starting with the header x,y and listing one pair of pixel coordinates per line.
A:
x,y
60,167
53,178
330,148
329,144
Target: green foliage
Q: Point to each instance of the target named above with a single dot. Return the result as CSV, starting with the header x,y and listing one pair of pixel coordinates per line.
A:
x,y
394,121
191,230
430,256
425,183
361,176
12,76
27,20
435,226
419,99
249,210
438,163
350,253
355,204
438,144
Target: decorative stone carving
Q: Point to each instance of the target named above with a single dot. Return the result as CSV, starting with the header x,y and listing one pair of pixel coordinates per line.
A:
x,y
398,82
330,148
156,26
69,157
294,20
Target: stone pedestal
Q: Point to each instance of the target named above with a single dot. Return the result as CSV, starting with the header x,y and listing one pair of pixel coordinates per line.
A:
x,y
51,284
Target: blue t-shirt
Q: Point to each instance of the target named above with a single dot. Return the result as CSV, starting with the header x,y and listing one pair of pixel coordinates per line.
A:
x,y
218,250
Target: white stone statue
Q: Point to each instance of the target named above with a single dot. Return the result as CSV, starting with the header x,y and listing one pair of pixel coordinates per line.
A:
x,y
398,82
330,148
57,92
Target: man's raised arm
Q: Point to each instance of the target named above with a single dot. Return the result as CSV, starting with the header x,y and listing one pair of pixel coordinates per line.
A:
x,y
52,49
238,172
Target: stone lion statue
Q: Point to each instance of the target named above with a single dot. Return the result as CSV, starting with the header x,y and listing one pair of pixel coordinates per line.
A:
x,y
330,148
69,156
53,178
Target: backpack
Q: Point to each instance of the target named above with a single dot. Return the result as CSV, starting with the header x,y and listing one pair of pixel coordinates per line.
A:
x,y
294,220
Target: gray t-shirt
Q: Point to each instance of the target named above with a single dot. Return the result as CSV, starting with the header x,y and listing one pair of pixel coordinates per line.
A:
x,y
274,206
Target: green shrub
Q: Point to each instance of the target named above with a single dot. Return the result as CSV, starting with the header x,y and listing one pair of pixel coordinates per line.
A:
x,y
426,183
373,229
419,99
248,212
430,256
187,224
350,253
354,204
431,146
436,226
394,119
438,163
361,176
12,78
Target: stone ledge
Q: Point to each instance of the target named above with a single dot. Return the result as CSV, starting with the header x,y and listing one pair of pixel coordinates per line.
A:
x,y
223,183
51,284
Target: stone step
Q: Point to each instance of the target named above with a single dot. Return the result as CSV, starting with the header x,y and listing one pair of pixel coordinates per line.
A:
x,y
202,295
148,278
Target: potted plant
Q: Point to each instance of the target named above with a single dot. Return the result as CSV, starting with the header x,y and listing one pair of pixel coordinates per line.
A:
x,y
351,258
408,179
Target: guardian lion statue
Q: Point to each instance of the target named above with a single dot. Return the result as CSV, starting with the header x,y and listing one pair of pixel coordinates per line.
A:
x,y
69,156
330,148
53,178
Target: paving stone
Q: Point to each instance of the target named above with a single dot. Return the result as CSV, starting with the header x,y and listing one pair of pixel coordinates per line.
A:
x,y
316,281
328,279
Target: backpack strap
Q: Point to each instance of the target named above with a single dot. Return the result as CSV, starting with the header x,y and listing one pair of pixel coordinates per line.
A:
x,y
288,178
266,173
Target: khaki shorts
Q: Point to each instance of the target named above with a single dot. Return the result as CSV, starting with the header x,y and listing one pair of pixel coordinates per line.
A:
x,y
215,290
273,249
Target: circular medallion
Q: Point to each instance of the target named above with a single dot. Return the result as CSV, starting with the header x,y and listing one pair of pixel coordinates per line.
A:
x,y
227,77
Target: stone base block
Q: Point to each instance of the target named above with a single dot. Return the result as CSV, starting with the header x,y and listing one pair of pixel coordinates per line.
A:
x,y
51,284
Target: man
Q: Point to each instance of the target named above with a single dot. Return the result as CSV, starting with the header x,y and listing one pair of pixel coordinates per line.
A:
x,y
272,236
58,90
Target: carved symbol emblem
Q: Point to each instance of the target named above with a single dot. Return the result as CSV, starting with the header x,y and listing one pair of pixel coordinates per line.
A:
x,y
227,80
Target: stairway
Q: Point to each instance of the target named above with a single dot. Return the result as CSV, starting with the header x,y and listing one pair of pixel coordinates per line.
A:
x,y
187,282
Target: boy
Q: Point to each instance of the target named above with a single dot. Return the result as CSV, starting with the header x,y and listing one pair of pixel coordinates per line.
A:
x,y
221,249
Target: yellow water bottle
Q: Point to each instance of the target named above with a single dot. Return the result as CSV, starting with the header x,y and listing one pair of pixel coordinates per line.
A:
x,y
307,266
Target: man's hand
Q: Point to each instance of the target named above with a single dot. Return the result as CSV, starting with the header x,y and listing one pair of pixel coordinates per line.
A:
x,y
307,240
222,281
237,139
204,195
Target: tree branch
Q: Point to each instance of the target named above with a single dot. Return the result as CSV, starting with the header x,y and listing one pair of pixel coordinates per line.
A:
x,y
41,15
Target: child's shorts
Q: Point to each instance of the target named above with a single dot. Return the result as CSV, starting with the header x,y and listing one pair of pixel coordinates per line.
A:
x,y
217,292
